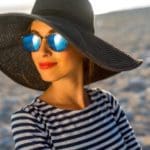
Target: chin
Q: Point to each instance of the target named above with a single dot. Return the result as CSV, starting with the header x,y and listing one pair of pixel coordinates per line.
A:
x,y
48,79
52,77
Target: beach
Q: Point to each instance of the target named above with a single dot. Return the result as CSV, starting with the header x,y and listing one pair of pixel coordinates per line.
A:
x,y
127,30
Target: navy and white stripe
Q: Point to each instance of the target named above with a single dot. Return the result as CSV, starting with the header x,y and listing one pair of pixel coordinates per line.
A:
x,y
102,125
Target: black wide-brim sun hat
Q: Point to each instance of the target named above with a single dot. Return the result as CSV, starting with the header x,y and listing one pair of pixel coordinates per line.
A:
x,y
74,20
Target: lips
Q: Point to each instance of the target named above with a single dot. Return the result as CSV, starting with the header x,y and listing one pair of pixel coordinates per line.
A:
x,y
46,65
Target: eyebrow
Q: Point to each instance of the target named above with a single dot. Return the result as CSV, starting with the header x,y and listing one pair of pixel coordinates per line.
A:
x,y
50,31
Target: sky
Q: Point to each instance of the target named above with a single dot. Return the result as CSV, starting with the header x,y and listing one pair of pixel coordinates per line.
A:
x,y
99,6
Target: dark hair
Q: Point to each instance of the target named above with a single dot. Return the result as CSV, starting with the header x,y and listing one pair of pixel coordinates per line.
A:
x,y
88,70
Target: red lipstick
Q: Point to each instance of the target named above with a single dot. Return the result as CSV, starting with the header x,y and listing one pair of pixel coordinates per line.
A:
x,y
46,65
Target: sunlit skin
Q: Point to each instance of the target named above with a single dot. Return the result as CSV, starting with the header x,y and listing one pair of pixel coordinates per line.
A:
x,y
66,90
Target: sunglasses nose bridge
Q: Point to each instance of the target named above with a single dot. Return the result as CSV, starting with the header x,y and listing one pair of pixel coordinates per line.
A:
x,y
44,46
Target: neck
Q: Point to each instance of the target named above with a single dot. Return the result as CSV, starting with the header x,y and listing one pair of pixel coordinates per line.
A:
x,y
68,92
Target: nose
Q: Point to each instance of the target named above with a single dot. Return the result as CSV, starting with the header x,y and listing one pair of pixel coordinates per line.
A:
x,y
44,48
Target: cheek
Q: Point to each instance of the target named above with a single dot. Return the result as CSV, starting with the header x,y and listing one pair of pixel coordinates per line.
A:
x,y
64,65
69,60
65,61
66,58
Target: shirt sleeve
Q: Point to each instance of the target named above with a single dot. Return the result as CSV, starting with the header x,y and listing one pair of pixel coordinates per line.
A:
x,y
28,133
123,124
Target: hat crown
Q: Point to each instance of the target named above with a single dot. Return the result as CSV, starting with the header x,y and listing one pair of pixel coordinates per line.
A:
x,y
77,11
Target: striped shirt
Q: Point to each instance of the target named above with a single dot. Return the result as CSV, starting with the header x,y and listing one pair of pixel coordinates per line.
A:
x,y
102,125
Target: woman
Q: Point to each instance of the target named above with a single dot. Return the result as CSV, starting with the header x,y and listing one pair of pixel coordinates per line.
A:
x,y
66,73
54,50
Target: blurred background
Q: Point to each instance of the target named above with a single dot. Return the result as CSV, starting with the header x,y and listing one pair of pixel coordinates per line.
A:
x,y
126,25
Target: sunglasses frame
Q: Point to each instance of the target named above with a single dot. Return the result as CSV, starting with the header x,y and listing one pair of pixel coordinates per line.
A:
x,y
45,37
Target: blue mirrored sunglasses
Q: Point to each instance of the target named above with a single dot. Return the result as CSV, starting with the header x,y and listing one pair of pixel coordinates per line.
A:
x,y
31,42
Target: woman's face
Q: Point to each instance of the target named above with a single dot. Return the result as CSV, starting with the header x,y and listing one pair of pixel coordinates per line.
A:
x,y
68,61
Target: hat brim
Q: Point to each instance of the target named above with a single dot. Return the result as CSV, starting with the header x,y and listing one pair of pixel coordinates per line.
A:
x,y
108,59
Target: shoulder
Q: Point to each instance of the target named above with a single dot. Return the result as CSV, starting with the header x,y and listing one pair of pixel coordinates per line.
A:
x,y
28,112
23,119
23,115
101,91
111,101
110,97
27,130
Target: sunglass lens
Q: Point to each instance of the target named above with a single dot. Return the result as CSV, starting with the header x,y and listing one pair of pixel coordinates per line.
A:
x,y
31,42
57,42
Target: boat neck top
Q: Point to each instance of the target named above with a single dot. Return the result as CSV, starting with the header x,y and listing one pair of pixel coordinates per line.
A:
x,y
102,125
91,101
